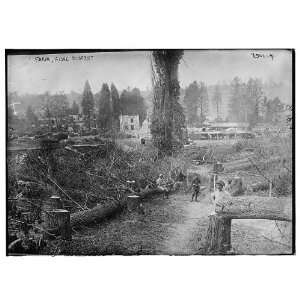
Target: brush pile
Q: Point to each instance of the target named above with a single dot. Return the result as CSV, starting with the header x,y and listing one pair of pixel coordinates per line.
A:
x,y
88,178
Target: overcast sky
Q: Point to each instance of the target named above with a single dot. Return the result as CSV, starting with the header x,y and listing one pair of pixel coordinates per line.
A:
x,y
57,72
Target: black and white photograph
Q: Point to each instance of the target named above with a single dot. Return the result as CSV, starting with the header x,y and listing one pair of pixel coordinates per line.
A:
x,y
150,152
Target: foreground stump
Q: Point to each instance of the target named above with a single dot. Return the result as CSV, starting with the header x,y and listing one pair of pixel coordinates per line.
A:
x,y
218,239
57,221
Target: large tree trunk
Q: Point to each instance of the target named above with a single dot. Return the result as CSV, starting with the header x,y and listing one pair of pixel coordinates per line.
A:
x,y
166,92
218,239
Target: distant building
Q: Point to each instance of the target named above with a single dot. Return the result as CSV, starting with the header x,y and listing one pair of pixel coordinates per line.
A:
x,y
47,122
130,124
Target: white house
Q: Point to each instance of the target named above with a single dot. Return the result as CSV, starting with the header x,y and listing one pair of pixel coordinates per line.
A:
x,y
130,124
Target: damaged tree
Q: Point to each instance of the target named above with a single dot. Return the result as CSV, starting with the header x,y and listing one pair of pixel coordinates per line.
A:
x,y
168,120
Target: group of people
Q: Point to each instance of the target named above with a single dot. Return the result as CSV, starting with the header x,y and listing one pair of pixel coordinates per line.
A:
x,y
166,185
219,196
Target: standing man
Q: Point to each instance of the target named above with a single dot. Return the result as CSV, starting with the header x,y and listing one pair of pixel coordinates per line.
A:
x,y
196,188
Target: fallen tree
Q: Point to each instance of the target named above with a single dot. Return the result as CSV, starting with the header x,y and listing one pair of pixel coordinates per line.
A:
x,y
102,211
247,163
218,238
256,207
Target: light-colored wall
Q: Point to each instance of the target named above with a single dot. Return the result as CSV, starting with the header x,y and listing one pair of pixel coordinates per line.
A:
x,y
127,121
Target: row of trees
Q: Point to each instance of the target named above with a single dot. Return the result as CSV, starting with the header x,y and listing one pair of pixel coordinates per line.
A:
x,y
109,105
248,103
101,109
53,108
196,103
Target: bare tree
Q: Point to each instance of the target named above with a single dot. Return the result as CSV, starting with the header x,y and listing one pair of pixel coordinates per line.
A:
x,y
217,100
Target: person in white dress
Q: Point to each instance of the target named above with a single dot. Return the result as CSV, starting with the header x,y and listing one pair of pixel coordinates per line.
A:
x,y
220,197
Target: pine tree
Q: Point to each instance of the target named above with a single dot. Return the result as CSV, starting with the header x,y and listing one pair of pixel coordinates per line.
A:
x,y
203,103
217,100
105,109
192,103
116,106
88,104
254,93
274,110
75,108
237,100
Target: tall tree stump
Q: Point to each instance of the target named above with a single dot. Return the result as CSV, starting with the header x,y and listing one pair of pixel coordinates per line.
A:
x,y
218,239
57,221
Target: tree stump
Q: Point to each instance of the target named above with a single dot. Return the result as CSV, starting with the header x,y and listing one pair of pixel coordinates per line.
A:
x,y
133,201
218,239
57,221
53,202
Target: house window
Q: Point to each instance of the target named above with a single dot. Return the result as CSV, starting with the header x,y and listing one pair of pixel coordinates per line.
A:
x,y
132,127
126,127
131,120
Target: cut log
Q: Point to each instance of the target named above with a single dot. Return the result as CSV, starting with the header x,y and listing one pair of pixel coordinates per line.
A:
x,y
218,238
247,163
103,211
255,207
58,221
95,214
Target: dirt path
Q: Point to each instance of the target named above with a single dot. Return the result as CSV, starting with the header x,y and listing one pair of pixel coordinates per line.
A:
x,y
185,237
248,236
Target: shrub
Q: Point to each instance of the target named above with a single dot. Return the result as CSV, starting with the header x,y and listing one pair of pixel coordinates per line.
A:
x,y
282,184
